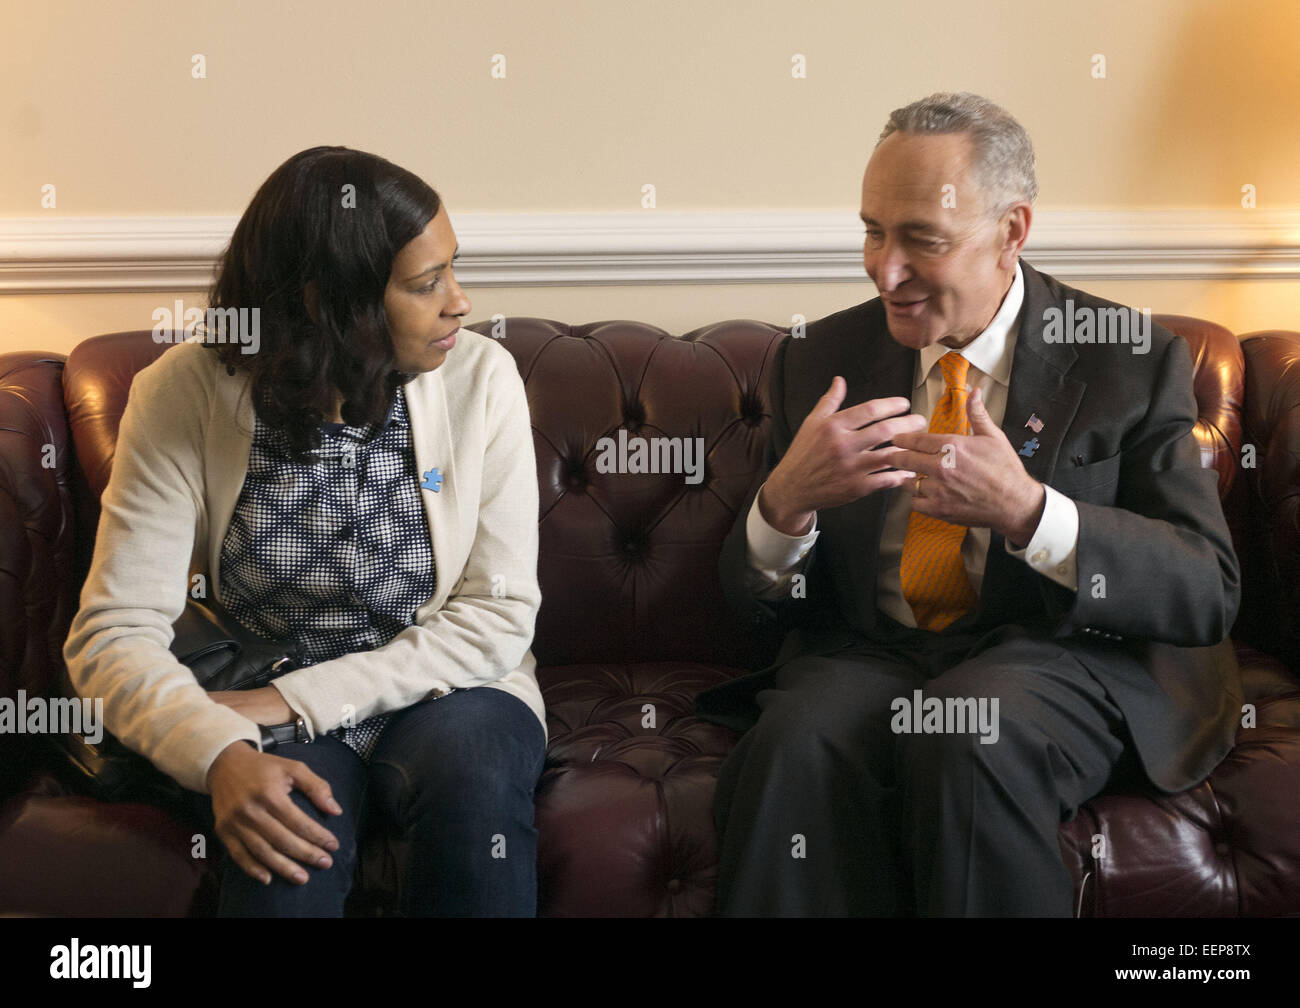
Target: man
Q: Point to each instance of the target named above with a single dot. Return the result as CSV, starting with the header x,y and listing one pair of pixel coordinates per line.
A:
x,y
1009,579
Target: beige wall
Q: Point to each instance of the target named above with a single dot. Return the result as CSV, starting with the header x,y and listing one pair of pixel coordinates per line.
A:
x,y
1200,97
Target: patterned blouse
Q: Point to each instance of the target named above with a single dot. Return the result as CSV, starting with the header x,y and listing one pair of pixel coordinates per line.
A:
x,y
334,554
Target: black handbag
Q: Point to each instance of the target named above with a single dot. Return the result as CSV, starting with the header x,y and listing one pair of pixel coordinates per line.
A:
x,y
223,656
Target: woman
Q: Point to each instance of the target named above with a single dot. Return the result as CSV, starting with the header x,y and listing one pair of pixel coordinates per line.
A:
x,y
363,483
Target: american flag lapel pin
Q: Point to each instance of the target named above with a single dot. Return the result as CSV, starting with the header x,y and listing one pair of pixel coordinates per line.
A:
x,y
1034,424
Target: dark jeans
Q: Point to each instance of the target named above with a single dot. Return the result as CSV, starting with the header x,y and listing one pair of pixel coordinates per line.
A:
x,y
457,774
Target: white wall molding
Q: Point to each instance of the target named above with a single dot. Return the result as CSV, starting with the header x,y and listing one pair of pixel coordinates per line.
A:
x,y
66,255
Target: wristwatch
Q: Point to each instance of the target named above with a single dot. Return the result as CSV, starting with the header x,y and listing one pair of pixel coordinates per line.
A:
x,y
290,731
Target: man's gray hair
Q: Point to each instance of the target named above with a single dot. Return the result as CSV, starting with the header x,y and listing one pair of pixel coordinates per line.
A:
x,y
1003,156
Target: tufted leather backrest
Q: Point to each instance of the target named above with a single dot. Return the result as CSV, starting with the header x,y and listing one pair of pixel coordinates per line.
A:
x,y
96,382
628,560
1219,384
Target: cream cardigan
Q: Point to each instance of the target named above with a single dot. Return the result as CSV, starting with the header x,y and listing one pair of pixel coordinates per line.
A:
x,y
181,457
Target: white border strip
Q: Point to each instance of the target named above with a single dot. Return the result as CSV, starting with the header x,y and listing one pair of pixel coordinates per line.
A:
x,y
146,254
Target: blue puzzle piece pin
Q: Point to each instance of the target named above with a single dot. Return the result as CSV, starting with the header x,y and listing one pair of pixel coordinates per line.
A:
x,y
1027,449
432,480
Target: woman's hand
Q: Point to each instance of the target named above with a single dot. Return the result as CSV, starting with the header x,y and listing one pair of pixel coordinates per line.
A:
x,y
264,706
257,820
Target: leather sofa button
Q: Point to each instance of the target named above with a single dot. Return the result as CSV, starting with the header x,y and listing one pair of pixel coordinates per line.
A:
x,y
675,885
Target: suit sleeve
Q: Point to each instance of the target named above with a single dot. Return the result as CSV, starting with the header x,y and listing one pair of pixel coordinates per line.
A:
x,y
1159,564
741,588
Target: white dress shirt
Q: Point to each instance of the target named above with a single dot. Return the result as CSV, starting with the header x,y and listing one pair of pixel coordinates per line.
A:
x,y
774,558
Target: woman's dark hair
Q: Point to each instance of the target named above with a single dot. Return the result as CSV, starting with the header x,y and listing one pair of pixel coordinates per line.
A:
x,y
324,227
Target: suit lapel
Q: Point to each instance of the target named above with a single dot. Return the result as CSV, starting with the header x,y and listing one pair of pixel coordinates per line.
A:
x,y
883,366
1039,384
1039,387
879,367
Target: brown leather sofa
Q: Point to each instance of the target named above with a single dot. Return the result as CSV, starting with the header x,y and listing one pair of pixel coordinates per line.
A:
x,y
633,626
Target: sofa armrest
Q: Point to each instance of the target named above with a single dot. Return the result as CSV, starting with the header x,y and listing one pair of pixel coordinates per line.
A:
x,y
37,539
1270,509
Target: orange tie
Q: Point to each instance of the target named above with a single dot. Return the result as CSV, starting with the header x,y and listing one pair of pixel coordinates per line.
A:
x,y
933,575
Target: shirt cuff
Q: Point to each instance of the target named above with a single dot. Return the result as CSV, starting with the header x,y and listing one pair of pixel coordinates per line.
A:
x,y
1053,549
774,553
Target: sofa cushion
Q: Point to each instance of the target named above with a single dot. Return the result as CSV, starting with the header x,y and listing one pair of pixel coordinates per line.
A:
x,y
66,855
625,805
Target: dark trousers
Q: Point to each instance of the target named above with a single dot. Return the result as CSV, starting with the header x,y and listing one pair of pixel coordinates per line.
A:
x,y
824,809
457,775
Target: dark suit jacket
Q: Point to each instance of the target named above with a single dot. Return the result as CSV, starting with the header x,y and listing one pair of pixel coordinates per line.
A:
x,y
1150,523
